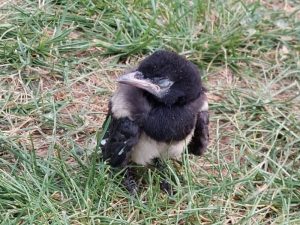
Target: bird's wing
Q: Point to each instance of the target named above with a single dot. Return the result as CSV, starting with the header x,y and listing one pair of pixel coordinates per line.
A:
x,y
121,135
200,139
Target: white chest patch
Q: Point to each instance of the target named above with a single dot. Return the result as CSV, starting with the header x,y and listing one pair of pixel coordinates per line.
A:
x,y
147,149
120,106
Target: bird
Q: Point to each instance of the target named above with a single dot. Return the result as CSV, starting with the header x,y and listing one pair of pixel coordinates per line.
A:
x,y
158,109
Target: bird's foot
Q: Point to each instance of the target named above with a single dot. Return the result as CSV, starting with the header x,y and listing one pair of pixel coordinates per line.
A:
x,y
166,187
131,186
161,168
129,182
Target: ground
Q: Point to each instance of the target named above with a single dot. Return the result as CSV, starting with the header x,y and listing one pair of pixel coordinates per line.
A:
x,y
59,61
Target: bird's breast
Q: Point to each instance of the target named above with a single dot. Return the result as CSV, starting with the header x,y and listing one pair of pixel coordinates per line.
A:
x,y
148,149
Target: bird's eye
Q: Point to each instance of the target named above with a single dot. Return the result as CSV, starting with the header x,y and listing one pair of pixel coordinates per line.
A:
x,y
164,83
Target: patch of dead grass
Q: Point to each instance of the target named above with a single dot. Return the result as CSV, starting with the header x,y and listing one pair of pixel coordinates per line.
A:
x,y
81,103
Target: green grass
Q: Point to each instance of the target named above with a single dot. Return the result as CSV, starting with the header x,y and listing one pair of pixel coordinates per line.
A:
x,y
58,64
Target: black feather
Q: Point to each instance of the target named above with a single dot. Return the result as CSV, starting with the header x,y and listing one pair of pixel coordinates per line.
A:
x,y
123,134
199,142
169,123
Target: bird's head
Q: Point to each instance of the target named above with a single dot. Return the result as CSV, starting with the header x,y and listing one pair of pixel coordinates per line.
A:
x,y
167,77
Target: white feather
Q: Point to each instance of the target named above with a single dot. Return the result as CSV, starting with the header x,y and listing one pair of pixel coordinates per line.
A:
x,y
147,149
204,106
103,142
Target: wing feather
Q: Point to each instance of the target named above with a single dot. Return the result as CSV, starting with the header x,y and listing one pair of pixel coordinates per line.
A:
x,y
200,139
121,135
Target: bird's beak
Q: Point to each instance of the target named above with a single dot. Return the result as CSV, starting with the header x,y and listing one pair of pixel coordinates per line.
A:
x,y
137,79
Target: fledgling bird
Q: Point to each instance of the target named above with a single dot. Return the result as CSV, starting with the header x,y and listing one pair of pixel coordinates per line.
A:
x,y
157,110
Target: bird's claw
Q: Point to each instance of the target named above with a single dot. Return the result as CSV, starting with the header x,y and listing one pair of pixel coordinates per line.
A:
x,y
129,182
166,187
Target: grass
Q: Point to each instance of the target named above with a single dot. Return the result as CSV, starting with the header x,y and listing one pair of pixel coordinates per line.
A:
x,y
59,60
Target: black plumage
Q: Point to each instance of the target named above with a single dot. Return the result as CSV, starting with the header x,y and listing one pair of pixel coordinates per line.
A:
x,y
157,110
